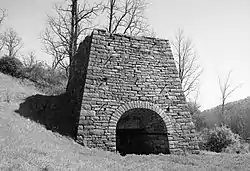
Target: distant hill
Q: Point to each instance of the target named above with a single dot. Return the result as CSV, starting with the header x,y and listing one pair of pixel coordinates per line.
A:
x,y
237,114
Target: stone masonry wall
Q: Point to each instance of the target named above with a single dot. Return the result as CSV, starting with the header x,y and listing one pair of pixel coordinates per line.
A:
x,y
125,73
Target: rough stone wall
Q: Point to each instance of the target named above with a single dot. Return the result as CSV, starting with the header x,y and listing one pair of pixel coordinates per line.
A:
x,y
124,73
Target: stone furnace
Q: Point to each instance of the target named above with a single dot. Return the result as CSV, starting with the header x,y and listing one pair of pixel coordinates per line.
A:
x,y
128,96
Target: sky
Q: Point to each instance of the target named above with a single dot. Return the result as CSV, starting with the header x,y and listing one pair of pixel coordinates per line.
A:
x,y
219,29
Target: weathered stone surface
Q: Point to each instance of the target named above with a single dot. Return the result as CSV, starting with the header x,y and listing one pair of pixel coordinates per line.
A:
x,y
96,131
113,74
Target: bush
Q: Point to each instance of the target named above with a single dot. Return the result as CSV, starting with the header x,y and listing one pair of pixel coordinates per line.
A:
x,y
35,72
11,66
54,90
218,139
51,82
238,148
54,77
48,80
202,138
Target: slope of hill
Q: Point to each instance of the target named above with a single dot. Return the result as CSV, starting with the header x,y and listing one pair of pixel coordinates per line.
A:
x,y
13,89
237,114
232,106
26,145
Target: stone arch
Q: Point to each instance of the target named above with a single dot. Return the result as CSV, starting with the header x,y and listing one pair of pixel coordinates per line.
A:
x,y
139,104
132,105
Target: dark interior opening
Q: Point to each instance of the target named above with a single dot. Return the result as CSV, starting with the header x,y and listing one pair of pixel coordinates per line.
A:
x,y
141,131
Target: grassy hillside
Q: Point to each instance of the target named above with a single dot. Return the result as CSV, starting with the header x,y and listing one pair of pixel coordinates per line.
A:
x,y
26,145
13,90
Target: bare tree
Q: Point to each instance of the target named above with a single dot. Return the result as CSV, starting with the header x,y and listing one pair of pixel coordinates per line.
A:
x,y
2,17
29,61
193,105
2,42
186,60
241,123
127,17
226,90
63,32
12,42
195,112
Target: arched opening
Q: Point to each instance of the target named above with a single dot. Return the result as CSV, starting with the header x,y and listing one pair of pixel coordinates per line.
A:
x,y
141,131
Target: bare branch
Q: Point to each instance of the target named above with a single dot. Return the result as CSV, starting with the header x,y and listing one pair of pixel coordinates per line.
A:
x,y
226,90
2,42
186,60
29,61
127,17
63,32
2,16
12,42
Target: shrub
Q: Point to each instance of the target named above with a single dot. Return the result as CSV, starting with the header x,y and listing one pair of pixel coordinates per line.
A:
x,y
54,90
51,82
202,138
35,72
218,138
48,80
237,148
11,66
54,77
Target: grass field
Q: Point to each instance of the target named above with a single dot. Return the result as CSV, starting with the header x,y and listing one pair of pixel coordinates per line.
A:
x,y
26,145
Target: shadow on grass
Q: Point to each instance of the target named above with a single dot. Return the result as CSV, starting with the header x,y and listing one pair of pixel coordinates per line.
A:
x,y
56,113
61,113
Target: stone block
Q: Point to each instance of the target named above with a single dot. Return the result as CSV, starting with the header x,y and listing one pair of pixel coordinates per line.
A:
x,y
88,113
96,132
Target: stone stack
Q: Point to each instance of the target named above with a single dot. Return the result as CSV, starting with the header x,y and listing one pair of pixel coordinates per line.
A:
x,y
113,74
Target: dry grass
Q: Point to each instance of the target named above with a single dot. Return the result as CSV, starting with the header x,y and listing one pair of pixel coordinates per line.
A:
x,y
13,90
26,145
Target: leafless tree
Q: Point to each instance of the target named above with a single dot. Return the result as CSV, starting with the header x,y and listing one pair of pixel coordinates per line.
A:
x,y
186,60
193,105
241,122
194,109
226,90
2,17
2,43
29,61
12,42
127,17
71,23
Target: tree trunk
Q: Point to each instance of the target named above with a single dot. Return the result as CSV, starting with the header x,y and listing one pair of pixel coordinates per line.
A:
x,y
111,15
73,34
73,37
222,113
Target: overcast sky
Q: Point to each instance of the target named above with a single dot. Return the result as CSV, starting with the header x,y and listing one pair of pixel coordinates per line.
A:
x,y
220,30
